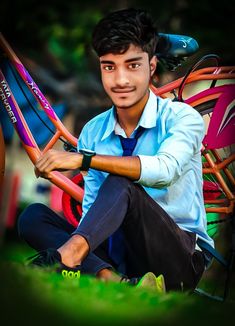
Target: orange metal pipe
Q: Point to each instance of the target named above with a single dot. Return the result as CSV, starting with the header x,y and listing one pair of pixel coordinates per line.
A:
x,y
52,141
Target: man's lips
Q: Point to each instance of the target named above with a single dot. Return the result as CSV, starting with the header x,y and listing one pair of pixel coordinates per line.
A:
x,y
122,90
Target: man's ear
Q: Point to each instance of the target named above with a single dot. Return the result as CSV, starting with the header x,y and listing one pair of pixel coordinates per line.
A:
x,y
153,65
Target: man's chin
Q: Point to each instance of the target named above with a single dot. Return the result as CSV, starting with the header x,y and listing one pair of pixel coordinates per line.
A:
x,y
123,104
123,107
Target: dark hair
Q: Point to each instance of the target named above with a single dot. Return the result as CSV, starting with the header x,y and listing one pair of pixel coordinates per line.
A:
x,y
118,30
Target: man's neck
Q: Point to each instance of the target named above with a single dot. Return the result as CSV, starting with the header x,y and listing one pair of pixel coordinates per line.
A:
x,y
128,118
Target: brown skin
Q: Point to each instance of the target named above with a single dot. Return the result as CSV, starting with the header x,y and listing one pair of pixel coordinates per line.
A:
x,y
61,161
125,78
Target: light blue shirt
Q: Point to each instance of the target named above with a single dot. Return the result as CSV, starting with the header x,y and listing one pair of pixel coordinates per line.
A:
x,y
169,152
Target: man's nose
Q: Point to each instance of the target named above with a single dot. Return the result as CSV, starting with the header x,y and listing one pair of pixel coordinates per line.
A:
x,y
121,78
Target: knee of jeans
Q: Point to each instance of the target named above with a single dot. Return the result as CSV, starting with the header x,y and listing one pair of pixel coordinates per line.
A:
x,y
119,180
27,219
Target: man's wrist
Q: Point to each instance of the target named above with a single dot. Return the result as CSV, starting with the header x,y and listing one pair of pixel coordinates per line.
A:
x,y
86,160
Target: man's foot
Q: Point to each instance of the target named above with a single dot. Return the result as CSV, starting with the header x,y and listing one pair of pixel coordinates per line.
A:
x,y
108,275
52,258
149,280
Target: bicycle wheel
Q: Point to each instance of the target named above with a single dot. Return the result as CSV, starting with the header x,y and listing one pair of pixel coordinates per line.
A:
x,y
72,209
211,187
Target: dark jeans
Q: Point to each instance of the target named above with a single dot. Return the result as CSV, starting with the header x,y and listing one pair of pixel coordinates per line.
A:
x,y
153,241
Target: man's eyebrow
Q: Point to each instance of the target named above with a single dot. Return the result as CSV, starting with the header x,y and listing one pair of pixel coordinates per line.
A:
x,y
107,62
110,62
134,59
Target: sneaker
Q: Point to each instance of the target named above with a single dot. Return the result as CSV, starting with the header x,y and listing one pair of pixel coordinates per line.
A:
x,y
52,258
149,280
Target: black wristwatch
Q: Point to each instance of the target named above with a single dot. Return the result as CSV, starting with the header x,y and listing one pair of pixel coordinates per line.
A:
x,y
86,161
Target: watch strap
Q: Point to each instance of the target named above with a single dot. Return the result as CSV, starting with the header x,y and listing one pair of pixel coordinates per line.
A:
x,y
86,162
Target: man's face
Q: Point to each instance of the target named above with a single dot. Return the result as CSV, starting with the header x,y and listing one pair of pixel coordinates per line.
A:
x,y
126,76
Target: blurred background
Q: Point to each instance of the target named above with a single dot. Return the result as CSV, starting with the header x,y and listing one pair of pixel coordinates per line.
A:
x,y
52,39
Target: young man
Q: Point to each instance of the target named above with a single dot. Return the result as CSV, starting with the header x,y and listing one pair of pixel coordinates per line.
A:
x,y
143,190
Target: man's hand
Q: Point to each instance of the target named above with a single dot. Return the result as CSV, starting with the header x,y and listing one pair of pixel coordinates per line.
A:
x,y
54,160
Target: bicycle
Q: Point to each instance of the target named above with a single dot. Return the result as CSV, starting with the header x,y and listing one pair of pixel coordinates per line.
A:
x,y
205,102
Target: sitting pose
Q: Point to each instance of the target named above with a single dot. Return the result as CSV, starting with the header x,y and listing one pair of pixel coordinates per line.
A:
x,y
143,208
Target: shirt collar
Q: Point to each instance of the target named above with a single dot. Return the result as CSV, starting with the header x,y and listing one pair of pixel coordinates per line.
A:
x,y
110,124
148,118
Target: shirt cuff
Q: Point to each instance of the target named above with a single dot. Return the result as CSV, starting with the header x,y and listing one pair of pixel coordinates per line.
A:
x,y
149,170
155,171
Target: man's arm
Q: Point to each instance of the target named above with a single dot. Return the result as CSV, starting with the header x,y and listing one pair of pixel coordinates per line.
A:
x,y
128,166
60,161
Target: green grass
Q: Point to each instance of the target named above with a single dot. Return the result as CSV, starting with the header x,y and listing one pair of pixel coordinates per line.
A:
x,y
30,296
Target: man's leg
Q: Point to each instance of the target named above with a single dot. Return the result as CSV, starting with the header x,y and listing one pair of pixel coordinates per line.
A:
x,y
42,228
153,241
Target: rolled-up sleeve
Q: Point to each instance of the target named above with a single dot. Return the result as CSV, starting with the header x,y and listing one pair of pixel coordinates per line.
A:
x,y
180,143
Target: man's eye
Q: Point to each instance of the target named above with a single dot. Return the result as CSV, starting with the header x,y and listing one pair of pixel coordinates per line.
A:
x,y
134,66
108,68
